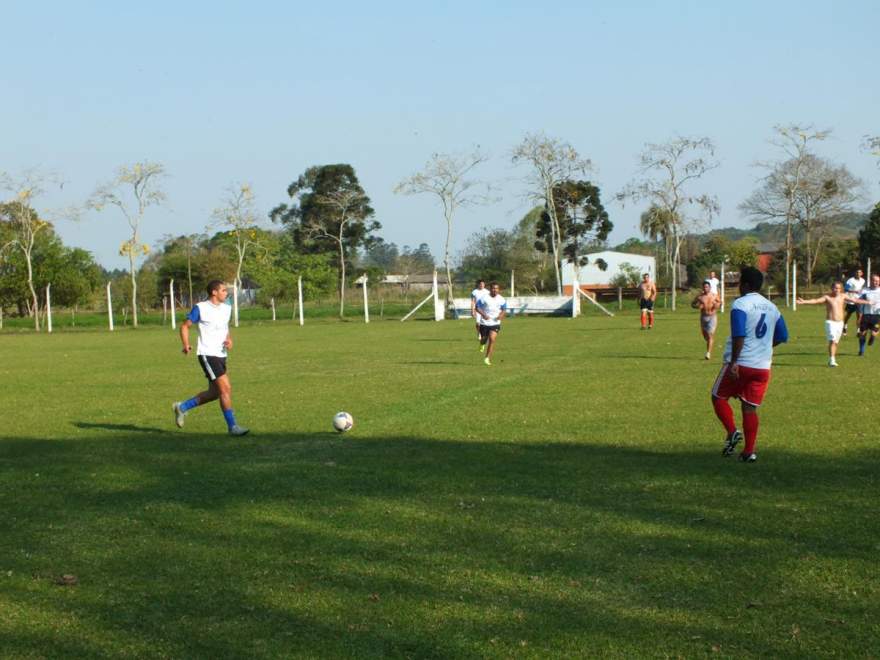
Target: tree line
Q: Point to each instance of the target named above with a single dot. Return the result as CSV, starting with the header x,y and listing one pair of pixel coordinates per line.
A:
x,y
326,227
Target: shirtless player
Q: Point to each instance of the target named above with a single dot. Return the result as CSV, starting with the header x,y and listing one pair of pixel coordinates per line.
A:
x,y
708,303
834,312
647,296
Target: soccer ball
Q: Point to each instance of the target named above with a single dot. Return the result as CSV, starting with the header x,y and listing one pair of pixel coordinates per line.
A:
x,y
343,422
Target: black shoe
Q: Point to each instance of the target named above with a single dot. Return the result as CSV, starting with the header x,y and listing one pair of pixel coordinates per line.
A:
x,y
748,458
731,442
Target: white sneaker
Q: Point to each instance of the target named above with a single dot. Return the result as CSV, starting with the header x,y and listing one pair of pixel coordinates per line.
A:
x,y
178,414
708,355
238,430
832,362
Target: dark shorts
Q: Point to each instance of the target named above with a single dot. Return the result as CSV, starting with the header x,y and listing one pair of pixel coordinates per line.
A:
x,y
852,308
486,329
870,322
214,367
645,303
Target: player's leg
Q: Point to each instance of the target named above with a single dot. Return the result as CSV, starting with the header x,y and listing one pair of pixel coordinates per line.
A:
x,y
180,408
490,345
750,429
644,316
224,387
848,311
726,386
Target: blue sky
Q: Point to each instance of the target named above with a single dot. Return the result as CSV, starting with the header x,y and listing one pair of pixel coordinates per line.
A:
x,y
234,91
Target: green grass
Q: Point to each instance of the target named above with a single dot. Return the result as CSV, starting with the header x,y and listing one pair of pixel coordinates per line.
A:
x,y
571,501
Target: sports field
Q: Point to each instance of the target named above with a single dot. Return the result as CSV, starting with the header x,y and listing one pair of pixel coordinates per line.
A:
x,y
569,501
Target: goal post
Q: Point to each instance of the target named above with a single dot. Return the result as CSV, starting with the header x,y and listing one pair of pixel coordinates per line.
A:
x,y
439,312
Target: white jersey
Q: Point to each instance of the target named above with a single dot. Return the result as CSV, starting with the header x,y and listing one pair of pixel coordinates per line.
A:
x,y
492,306
213,322
854,285
760,323
477,294
873,297
713,285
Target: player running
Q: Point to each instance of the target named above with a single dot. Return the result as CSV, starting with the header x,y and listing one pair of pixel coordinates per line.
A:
x,y
477,294
714,284
870,321
708,304
647,296
834,304
491,309
853,287
756,326
212,317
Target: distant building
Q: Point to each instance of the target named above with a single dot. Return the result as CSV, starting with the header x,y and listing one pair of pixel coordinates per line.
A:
x,y
766,254
593,277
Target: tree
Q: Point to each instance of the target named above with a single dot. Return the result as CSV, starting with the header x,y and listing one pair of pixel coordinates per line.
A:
x,y
552,163
656,225
133,190
415,260
871,144
25,224
239,216
446,177
582,220
777,198
381,255
331,212
869,237
627,276
668,171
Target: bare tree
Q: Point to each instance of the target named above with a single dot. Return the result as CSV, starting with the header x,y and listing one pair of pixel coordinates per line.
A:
x,y
871,144
446,176
777,198
668,172
552,162
26,223
346,205
133,190
239,215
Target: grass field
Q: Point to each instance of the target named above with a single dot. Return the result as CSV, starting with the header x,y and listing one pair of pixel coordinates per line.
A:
x,y
570,501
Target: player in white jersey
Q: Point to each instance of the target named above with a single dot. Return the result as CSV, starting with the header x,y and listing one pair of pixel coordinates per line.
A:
x,y
212,317
870,321
714,284
477,294
756,326
853,287
491,310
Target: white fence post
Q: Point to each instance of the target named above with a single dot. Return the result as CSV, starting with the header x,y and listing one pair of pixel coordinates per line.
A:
x,y
235,302
722,287
299,287
794,286
109,307
439,312
273,308
171,302
49,308
512,290
366,303
575,299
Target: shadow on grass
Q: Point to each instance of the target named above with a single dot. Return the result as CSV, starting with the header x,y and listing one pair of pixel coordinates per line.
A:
x,y
119,427
328,546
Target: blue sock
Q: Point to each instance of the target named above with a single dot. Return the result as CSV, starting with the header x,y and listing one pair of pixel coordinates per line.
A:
x,y
862,345
189,404
230,417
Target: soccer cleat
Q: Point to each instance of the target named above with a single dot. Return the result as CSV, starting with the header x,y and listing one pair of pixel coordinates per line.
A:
x,y
708,355
832,362
844,330
482,348
731,442
178,414
487,362
748,458
238,430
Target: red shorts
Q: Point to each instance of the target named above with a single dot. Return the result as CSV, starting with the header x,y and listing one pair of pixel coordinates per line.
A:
x,y
750,387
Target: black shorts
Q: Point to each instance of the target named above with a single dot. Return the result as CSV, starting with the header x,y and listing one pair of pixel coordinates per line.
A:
x,y
214,367
870,322
646,303
486,329
850,308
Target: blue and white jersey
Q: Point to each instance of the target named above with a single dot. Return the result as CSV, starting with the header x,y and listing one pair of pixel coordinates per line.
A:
x,y
213,322
492,306
873,297
854,286
760,323
478,294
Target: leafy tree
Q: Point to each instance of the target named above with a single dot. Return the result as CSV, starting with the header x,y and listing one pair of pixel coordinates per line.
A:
x,y
869,237
330,212
627,276
412,261
581,218
486,255
381,255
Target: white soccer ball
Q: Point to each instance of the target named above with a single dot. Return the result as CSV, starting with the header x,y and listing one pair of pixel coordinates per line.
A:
x,y
343,422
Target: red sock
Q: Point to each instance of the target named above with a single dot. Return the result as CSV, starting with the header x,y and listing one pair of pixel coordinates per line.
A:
x,y
725,414
644,318
651,319
750,429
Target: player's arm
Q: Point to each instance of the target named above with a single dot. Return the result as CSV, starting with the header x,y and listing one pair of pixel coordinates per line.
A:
x,y
503,312
738,338
856,301
653,292
780,332
696,302
811,301
479,308
193,317
473,305
227,343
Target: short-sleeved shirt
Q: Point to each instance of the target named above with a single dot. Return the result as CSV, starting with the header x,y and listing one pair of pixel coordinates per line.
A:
x,y
492,306
713,284
477,294
213,323
760,323
854,285
873,297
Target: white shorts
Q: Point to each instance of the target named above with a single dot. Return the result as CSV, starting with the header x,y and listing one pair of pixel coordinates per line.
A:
x,y
833,330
